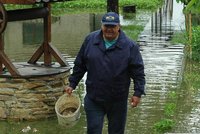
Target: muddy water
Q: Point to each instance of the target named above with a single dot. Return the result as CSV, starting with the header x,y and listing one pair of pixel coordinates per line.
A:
x,y
163,67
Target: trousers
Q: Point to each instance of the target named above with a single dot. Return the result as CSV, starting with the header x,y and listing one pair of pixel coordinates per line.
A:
x,y
115,112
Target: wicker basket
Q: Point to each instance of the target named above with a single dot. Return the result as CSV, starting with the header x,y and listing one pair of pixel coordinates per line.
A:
x,y
68,109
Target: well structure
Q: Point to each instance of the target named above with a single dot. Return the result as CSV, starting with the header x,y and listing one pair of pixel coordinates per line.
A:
x,y
29,90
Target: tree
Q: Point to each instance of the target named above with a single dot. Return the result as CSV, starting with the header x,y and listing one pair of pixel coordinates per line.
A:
x,y
191,7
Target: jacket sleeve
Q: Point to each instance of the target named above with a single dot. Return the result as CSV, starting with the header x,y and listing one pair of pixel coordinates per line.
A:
x,y
79,68
136,70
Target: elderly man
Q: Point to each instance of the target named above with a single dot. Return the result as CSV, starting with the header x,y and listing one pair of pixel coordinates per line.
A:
x,y
110,59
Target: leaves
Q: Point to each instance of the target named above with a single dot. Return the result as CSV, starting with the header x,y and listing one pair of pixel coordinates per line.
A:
x,y
192,6
164,125
195,43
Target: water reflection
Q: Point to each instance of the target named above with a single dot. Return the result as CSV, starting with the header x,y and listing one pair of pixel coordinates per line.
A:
x,y
168,18
68,32
32,33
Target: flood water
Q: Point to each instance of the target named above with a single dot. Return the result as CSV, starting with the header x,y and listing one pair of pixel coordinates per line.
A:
x,y
164,64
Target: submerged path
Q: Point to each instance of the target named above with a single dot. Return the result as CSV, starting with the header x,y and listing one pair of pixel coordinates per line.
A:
x,y
164,63
163,60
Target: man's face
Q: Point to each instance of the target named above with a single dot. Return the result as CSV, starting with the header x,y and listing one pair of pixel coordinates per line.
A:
x,y
110,32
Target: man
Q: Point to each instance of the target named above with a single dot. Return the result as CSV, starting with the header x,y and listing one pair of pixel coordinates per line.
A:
x,y
110,59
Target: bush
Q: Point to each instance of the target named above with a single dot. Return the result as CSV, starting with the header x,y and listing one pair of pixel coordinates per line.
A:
x,y
196,43
164,125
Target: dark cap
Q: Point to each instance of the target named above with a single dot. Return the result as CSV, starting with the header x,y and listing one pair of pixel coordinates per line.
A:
x,y
110,18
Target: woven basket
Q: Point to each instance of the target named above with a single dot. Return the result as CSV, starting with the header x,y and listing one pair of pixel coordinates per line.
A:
x,y
68,109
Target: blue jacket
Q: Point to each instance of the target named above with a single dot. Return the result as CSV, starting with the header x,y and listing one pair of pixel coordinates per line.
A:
x,y
109,71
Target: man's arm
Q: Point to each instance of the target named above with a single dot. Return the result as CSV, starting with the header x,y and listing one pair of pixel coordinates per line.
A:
x,y
79,70
136,70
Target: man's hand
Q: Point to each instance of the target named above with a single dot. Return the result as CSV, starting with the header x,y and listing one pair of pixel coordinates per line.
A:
x,y
135,101
68,90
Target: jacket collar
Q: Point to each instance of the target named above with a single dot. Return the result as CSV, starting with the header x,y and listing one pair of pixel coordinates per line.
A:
x,y
99,40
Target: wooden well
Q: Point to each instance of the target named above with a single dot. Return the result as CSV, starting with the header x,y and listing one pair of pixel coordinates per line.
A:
x,y
29,90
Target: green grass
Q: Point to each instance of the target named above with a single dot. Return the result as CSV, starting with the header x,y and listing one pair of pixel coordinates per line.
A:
x,y
191,74
179,37
164,125
133,31
196,43
86,5
182,37
96,4
170,109
167,123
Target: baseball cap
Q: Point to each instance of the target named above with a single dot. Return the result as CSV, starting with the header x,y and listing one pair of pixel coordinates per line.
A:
x,y
110,18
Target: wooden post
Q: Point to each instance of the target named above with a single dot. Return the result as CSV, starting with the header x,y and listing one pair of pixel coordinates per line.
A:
x,y
1,50
47,36
113,6
190,34
46,47
4,60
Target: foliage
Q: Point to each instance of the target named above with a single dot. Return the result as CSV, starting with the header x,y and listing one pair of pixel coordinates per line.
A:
x,y
141,4
191,75
94,4
81,4
196,43
172,95
15,6
180,37
184,1
192,6
164,125
167,123
170,109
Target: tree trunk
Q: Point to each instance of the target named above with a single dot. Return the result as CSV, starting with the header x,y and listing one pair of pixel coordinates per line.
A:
x,y
113,6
